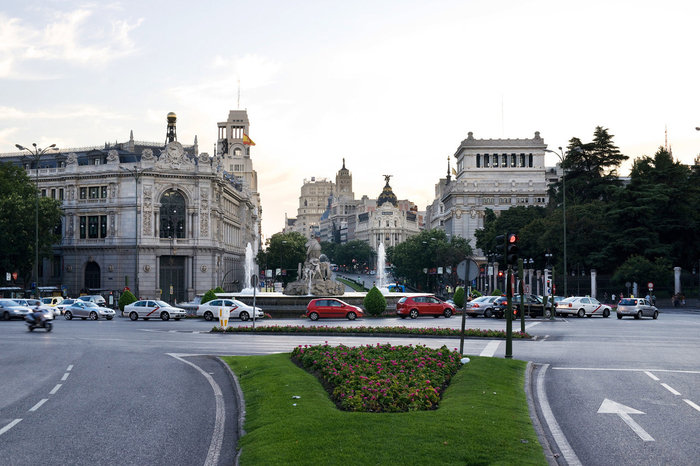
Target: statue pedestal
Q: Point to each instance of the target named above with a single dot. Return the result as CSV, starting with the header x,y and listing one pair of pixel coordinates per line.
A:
x,y
317,288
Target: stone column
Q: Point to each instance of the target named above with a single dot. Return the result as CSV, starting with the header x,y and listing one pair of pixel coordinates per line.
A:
x,y
677,280
539,282
594,285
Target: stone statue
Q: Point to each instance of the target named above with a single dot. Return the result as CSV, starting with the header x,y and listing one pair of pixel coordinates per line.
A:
x,y
314,276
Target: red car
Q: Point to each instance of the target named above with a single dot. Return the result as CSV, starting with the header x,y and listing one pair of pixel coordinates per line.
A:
x,y
331,307
426,305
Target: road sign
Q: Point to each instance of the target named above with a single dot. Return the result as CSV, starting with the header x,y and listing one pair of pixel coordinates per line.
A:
x,y
650,285
8,276
254,280
467,270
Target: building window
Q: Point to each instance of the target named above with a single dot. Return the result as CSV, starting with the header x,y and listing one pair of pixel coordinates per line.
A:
x,y
93,226
522,160
172,215
530,160
513,160
83,223
486,160
478,160
83,193
43,193
60,194
103,192
504,160
94,192
103,226
53,193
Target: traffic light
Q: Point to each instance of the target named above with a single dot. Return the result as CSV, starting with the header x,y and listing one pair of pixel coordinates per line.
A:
x,y
512,249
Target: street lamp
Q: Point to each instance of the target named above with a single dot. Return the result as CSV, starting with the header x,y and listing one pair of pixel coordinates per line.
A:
x,y
137,172
561,156
36,154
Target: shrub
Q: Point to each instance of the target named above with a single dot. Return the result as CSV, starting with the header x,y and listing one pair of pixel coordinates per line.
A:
x,y
374,302
496,292
458,298
208,296
125,299
218,289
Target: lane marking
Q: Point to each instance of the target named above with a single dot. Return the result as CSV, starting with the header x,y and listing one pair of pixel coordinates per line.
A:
x,y
623,370
613,407
65,376
697,408
38,405
55,389
653,377
217,437
670,389
490,349
70,368
557,434
9,426
530,325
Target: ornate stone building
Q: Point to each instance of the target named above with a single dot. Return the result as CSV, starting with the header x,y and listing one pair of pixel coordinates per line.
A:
x,y
164,220
494,174
313,201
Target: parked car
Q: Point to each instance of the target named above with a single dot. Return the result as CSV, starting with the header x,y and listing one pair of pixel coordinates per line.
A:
x,y
533,305
61,307
414,306
332,307
582,306
636,307
86,309
151,309
237,309
481,306
94,298
11,309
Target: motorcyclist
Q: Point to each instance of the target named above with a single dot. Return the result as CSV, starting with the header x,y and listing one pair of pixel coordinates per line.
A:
x,y
38,316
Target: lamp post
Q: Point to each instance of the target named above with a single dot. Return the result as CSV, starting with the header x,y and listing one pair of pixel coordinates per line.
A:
x,y
36,154
136,172
562,157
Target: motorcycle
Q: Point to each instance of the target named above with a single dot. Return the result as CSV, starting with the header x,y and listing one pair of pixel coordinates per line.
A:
x,y
33,321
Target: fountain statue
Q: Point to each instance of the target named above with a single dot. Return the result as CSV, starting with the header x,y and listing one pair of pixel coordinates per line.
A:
x,y
248,269
314,275
381,264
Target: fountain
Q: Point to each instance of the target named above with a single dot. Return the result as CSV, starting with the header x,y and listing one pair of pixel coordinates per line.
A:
x,y
314,275
248,268
381,264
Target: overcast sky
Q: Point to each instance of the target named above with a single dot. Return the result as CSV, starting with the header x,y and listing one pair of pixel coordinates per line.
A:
x,y
391,86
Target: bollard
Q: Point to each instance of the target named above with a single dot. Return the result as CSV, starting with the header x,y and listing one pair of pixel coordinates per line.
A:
x,y
223,317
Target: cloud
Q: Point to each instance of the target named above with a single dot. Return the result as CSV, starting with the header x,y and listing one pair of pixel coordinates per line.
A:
x,y
72,112
76,37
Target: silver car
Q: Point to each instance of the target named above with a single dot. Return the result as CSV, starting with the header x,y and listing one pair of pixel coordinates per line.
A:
x,y
86,309
483,305
11,309
637,308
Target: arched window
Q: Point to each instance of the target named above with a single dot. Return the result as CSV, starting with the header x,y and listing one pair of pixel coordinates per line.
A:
x,y
237,152
172,215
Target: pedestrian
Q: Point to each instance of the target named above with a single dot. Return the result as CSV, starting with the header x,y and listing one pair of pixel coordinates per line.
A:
x,y
613,298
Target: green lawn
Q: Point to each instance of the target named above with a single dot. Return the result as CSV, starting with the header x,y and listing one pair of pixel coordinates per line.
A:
x,y
351,284
482,419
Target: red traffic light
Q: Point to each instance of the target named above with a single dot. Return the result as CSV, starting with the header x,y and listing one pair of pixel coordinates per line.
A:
x,y
500,273
512,238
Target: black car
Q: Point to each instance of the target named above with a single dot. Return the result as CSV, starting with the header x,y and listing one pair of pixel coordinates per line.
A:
x,y
500,306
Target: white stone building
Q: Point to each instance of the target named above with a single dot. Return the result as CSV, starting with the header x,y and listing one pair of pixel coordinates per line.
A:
x,y
162,219
494,174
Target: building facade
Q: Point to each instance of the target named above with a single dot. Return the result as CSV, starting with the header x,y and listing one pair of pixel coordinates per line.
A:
x,y
161,219
313,202
494,174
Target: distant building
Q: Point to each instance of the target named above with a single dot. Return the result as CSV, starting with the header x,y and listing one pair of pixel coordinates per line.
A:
x,y
159,218
494,174
313,201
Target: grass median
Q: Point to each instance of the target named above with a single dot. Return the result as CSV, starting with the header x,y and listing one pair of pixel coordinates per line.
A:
x,y
482,419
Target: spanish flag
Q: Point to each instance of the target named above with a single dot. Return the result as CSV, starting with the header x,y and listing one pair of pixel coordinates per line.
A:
x,y
247,141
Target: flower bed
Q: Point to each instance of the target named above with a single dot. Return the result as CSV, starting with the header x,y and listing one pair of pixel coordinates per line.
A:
x,y
360,330
382,378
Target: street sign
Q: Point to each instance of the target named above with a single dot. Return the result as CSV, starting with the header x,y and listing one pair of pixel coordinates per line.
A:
x,y
467,270
650,285
8,276
254,280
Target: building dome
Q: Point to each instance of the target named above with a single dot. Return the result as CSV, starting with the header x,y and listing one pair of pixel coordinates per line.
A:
x,y
387,195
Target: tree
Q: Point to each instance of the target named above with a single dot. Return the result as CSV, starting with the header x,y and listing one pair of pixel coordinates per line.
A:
x,y
17,222
353,255
459,297
374,302
125,299
641,270
208,296
427,250
284,251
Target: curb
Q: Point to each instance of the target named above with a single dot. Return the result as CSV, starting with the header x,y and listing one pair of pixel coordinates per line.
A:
x,y
240,402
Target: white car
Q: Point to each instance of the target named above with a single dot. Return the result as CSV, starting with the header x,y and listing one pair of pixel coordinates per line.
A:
x,y
36,304
152,309
582,306
237,309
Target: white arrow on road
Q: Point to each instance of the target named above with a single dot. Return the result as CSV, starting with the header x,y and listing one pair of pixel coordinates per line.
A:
x,y
613,407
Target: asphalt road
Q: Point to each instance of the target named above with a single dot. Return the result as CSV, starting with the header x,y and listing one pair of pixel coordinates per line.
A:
x,y
125,392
